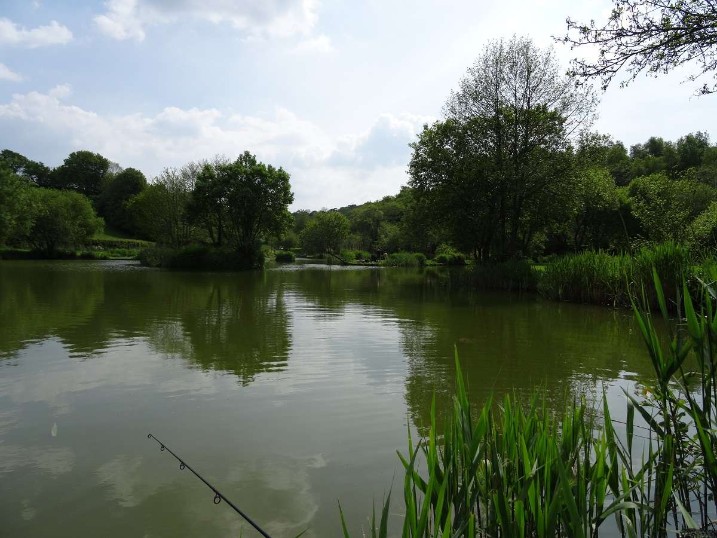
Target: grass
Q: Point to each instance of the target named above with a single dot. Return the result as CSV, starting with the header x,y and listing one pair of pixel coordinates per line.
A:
x,y
605,279
517,469
405,259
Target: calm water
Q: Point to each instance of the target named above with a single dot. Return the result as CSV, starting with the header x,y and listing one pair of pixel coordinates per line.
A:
x,y
290,389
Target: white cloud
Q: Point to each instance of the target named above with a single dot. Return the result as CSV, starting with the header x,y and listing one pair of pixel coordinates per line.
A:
x,y
122,20
7,74
51,34
128,19
326,172
319,44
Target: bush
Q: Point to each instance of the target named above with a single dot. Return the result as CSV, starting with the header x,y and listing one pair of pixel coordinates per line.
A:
x,y
285,256
405,259
447,255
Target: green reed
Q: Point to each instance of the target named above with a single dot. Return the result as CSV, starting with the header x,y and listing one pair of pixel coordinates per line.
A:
x,y
518,469
602,278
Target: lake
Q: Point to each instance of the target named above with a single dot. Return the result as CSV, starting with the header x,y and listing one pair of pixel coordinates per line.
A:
x,y
289,389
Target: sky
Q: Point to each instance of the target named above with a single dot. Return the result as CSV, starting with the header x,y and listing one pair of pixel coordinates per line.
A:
x,y
333,91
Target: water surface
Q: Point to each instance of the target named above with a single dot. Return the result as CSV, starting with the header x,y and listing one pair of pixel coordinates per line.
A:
x,y
290,389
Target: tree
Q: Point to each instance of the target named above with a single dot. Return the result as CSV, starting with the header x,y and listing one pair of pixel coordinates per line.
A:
x,y
653,36
14,210
82,171
208,206
116,193
665,207
249,198
496,171
325,232
160,211
60,219
594,221
34,171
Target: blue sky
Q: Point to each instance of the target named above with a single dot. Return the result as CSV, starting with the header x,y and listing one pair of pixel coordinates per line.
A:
x,y
332,90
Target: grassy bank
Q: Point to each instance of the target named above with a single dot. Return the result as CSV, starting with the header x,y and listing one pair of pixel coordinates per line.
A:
x,y
516,469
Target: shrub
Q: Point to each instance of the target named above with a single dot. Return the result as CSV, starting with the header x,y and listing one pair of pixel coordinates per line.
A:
x,y
447,255
285,256
405,259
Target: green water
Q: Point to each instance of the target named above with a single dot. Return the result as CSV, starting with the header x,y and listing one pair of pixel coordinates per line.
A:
x,y
289,389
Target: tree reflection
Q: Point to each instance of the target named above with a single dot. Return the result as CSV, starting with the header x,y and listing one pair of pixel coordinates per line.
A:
x,y
238,325
232,323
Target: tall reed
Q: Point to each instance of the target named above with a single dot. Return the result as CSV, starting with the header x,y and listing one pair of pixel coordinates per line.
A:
x,y
601,278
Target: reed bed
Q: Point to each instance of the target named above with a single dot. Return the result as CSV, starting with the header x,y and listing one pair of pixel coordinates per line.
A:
x,y
606,279
517,469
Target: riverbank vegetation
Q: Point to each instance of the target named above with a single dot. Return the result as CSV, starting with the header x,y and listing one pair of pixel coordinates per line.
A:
x,y
514,468
510,177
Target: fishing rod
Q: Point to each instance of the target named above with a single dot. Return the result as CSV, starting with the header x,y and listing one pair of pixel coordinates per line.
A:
x,y
218,496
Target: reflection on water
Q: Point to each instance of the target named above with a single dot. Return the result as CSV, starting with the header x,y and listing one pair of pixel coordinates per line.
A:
x,y
290,388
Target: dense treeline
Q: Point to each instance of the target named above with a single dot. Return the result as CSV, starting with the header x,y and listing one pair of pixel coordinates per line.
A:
x,y
233,206
511,171
612,199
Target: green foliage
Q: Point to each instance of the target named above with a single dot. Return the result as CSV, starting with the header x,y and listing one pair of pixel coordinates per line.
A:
x,y
112,202
325,232
60,220
496,171
447,255
160,210
245,201
285,256
82,171
595,222
702,235
665,207
601,278
34,172
15,216
405,259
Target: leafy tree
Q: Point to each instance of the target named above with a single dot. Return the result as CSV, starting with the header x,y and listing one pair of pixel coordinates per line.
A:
x,y
653,36
116,194
496,172
82,171
703,230
160,211
596,203
208,207
249,198
14,210
325,232
665,207
60,219
691,150
34,171
366,222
